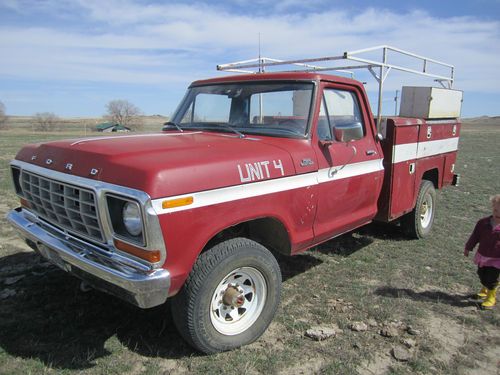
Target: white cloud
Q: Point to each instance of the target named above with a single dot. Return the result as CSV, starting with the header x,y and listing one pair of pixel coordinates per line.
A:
x,y
127,41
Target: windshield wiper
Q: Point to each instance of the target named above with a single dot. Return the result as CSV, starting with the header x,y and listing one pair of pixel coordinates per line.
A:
x,y
211,126
167,124
240,134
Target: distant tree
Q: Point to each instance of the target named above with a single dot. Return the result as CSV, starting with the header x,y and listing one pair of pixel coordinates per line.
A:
x,y
124,113
45,121
3,116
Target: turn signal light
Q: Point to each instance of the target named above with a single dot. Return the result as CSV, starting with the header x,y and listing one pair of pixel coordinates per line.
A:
x,y
152,256
24,203
178,202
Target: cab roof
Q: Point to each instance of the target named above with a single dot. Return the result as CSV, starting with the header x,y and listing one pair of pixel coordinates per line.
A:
x,y
281,76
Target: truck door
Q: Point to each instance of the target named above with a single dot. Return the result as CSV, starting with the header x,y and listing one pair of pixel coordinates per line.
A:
x,y
350,172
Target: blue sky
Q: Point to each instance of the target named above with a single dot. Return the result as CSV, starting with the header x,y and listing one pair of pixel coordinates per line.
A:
x,y
71,57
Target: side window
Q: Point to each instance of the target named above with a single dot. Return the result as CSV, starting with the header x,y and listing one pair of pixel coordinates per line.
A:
x,y
346,121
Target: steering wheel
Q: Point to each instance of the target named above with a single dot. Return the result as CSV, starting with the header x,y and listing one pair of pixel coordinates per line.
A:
x,y
293,125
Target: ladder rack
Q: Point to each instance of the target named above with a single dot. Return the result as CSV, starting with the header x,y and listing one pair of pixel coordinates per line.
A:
x,y
378,69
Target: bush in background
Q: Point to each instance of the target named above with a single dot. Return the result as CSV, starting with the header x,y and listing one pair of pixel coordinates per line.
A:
x,y
3,116
124,113
45,121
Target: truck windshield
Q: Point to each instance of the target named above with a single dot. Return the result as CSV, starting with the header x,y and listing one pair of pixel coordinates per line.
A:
x,y
275,109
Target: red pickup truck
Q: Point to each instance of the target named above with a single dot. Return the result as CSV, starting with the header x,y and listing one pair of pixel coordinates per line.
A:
x,y
248,166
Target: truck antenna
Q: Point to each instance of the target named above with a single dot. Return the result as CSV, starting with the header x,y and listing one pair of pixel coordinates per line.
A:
x,y
261,66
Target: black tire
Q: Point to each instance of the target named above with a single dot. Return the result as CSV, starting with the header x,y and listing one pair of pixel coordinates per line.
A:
x,y
418,223
202,316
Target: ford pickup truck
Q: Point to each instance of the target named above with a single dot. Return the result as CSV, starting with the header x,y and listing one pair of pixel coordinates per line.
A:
x,y
249,166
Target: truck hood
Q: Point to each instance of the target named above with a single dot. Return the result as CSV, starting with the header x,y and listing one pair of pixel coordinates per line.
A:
x,y
166,164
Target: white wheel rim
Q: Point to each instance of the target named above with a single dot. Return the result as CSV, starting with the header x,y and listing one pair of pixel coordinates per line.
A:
x,y
426,211
238,301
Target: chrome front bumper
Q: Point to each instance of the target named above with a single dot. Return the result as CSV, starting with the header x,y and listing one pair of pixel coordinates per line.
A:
x,y
105,270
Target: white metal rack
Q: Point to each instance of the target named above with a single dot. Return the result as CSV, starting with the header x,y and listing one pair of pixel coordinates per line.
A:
x,y
378,69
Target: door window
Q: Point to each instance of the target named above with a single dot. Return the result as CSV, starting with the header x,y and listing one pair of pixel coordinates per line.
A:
x,y
340,116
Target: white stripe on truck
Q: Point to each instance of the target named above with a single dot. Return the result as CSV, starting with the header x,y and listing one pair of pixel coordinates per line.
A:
x,y
411,151
233,193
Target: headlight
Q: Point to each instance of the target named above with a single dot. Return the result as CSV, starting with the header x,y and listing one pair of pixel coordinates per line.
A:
x,y
132,218
126,219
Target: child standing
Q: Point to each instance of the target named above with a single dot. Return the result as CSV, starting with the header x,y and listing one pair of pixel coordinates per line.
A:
x,y
487,258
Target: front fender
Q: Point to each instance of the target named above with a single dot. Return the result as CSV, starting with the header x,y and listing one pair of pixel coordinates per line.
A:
x,y
187,231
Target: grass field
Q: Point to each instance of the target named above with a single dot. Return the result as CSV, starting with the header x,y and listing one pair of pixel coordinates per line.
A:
x,y
413,291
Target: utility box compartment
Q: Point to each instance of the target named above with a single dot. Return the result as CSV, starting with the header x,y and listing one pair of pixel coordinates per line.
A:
x,y
430,102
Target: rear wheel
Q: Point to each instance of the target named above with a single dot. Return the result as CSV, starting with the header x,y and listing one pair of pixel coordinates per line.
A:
x,y
230,297
418,223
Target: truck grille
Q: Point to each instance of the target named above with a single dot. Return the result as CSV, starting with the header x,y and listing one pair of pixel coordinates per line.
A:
x,y
67,206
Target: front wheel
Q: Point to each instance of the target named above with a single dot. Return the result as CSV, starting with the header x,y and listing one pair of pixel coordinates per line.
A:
x,y
230,297
418,223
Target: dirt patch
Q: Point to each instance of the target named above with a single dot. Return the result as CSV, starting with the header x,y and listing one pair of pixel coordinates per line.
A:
x,y
450,335
306,367
489,366
464,348
273,339
170,366
459,348
379,364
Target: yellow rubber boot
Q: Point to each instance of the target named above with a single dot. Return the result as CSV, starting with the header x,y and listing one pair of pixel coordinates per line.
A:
x,y
482,293
490,300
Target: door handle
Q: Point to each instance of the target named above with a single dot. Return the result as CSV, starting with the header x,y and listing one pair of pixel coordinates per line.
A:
x,y
371,152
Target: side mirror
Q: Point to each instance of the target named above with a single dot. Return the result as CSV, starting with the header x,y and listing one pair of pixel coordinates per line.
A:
x,y
351,131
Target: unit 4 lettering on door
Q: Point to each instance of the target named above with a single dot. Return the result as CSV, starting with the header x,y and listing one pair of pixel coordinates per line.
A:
x,y
260,170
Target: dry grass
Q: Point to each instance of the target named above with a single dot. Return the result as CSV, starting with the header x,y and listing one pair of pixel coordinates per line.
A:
x,y
84,126
372,275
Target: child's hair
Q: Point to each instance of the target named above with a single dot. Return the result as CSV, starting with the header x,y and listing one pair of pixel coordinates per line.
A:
x,y
495,200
